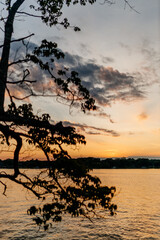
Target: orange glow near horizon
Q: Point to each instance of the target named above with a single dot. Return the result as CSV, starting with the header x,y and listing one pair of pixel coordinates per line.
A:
x,y
103,147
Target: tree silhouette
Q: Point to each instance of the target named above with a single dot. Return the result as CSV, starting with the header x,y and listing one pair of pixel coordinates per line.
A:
x,y
82,193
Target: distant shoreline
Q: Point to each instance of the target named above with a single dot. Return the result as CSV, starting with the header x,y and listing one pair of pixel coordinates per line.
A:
x,y
91,163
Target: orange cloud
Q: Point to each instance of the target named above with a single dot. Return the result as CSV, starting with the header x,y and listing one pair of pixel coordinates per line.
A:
x,y
142,116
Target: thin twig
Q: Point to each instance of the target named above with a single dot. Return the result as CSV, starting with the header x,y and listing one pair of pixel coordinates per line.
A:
x,y
5,188
29,14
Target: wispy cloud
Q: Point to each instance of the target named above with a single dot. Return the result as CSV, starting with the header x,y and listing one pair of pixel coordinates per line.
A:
x,y
91,130
107,60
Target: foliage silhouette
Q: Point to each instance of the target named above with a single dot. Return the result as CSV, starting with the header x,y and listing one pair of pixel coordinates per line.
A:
x,y
81,193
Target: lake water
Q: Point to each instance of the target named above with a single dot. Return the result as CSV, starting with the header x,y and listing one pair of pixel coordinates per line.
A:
x,y
138,215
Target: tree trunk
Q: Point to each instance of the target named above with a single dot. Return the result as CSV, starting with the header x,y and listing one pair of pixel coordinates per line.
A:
x,y
6,50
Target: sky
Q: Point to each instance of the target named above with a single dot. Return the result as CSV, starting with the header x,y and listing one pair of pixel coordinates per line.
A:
x,y
117,55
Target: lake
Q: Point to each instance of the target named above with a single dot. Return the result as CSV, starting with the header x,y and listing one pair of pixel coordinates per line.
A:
x,y
138,215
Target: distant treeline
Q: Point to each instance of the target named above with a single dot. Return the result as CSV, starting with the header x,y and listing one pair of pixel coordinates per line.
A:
x,y
92,163
121,163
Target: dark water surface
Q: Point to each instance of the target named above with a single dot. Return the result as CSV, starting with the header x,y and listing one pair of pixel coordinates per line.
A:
x,y
138,216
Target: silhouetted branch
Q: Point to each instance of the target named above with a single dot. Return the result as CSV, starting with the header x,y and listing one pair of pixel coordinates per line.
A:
x,y
18,61
21,81
130,6
19,39
26,73
29,14
126,3
1,29
24,184
5,187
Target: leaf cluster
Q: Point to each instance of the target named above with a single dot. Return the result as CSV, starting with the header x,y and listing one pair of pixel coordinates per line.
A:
x,y
52,11
69,85
81,195
40,132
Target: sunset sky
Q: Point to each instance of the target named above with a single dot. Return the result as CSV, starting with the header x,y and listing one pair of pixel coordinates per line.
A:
x,y
117,55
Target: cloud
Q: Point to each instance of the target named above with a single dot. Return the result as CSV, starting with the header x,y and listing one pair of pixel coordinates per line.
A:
x,y
151,62
126,47
107,60
142,116
148,60
157,131
106,85
100,113
84,49
91,130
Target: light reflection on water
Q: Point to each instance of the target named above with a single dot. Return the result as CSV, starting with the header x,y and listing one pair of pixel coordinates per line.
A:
x,y
138,216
